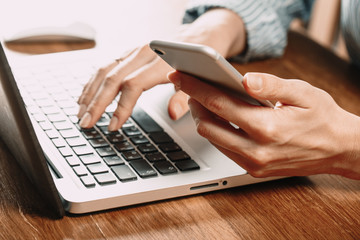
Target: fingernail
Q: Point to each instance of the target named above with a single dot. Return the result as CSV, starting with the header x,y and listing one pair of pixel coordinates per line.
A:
x,y
82,110
197,121
113,124
254,81
85,120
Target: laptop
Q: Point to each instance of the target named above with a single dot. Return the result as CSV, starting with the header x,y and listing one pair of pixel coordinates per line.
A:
x,y
86,170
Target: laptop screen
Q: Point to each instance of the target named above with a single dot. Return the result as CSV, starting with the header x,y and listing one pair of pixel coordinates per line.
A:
x,y
17,133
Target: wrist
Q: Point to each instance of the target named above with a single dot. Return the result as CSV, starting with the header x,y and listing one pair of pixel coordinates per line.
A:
x,y
349,165
219,28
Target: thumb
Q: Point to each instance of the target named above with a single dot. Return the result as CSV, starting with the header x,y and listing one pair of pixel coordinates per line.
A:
x,y
178,105
264,86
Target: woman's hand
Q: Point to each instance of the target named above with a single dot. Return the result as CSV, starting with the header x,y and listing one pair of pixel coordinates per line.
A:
x,y
134,73
142,69
306,133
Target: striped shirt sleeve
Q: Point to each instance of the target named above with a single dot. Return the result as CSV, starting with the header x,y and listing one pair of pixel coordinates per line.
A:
x,y
266,22
350,26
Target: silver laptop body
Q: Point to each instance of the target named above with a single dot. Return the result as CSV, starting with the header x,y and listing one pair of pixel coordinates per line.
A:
x,y
29,87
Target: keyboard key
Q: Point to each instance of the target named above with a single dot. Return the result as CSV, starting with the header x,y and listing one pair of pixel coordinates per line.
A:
x,y
105,131
131,131
50,110
83,150
91,134
165,167
33,110
59,95
131,155
46,126
124,146
116,138
90,159
65,103
85,129
37,95
99,142
74,92
63,125
113,160
76,141
103,121
71,111
147,148
169,147
39,117
143,168
46,102
105,178
124,173
58,117
187,165
160,137
73,161
66,151
128,123
155,157
33,87
74,119
145,121
88,181
59,142
52,133
80,171
141,139
177,156
105,151
69,133
97,168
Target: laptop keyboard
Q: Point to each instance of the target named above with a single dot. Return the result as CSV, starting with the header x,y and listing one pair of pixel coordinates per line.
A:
x,y
140,149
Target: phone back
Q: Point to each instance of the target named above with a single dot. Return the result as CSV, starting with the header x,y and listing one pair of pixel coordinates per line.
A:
x,y
198,60
203,62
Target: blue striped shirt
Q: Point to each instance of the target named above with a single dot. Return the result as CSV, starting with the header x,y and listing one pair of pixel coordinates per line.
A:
x,y
267,23
350,26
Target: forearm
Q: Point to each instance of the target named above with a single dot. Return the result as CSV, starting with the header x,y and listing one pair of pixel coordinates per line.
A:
x,y
266,22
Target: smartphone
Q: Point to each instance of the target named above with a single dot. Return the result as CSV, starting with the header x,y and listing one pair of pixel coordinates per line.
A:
x,y
204,63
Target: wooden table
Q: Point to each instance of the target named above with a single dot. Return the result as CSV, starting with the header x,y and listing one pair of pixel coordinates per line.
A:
x,y
316,207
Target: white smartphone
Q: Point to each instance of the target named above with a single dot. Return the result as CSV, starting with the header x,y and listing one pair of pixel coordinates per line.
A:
x,y
205,63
